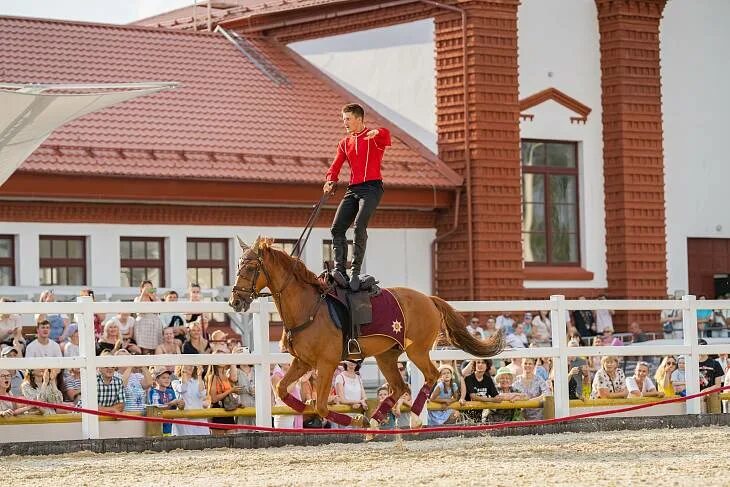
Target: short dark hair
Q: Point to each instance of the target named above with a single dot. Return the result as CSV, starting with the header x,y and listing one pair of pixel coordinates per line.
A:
x,y
355,109
42,323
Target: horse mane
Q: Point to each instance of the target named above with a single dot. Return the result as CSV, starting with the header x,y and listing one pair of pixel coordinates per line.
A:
x,y
298,269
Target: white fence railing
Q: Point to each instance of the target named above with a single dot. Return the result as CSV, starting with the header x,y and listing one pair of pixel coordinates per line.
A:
x,y
262,358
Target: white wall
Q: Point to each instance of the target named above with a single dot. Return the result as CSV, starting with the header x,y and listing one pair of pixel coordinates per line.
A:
x,y
388,250
559,48
695,41
391,68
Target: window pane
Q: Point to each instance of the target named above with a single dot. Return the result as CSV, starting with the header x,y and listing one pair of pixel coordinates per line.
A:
x,y
46,276
564,218
138,275
533,217
125,277
138,251
533,153
327,254
75,249
534,248
204,277
564,247
153,250
58,249
153,274
75,276
125,249
45,249
533,188
60,276
191,250
217,277
192,275
563,189
6,245
217,251
560,155
6,276
203,250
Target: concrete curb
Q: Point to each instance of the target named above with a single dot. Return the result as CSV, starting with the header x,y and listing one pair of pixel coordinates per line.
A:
x,y
269,440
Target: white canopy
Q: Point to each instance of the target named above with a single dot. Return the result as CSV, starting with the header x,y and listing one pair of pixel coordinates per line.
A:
x,y
32,111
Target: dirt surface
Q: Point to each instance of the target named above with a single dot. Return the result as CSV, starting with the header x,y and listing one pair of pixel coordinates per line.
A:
x,y
690,456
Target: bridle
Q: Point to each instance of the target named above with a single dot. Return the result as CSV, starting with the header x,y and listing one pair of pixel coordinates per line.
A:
x,y
251,293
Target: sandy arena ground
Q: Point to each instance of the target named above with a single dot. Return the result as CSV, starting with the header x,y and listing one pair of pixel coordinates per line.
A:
x,y
693,456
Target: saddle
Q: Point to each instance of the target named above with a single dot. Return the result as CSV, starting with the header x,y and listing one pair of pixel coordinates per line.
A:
x,y
349,309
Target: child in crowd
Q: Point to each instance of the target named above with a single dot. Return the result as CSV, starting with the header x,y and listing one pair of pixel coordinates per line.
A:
x,y
678,378
163,396
445,392
389,421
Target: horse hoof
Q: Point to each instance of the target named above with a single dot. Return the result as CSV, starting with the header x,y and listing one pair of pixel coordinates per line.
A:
x,y
358,421
374,424
416,422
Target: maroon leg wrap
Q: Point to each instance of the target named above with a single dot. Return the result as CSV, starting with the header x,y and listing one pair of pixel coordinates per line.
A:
x,y
339,418
421,399
384,407
293,403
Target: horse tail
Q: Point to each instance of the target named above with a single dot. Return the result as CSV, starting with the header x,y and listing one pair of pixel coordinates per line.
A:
x,y
457,334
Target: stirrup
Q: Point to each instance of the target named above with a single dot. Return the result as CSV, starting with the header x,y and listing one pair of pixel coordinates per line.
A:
x,y
353,347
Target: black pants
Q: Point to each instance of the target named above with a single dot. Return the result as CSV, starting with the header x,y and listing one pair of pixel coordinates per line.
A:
x,y
357,206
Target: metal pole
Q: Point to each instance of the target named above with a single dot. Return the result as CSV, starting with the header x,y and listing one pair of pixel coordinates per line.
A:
x,y
692,362
560,362
87,350
262,372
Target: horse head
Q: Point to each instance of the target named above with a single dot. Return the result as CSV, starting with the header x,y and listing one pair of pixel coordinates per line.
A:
x,y
251,276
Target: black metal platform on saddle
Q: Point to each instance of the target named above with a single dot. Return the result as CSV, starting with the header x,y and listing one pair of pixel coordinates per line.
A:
x,y
349,310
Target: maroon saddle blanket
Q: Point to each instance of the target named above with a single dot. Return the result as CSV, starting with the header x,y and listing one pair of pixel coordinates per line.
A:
x,y
387,317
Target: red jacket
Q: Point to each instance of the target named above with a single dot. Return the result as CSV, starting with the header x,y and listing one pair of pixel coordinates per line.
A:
x,y
363,156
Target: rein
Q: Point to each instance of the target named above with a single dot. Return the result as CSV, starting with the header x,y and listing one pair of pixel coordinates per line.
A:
x,y
304,237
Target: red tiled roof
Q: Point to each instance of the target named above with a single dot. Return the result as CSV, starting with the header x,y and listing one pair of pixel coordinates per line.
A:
x,y
227,121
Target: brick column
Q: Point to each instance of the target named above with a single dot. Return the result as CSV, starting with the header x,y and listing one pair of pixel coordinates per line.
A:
x,y
632,151
491,88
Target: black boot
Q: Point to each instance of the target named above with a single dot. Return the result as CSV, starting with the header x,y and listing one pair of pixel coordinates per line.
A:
x,y
339,274
358,251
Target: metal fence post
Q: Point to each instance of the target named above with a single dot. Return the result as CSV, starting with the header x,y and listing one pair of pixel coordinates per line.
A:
x,y
87,350
560,362
692,363
262,371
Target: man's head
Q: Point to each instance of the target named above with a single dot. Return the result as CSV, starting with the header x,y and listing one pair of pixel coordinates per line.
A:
x,y
634,327
171,296
43,329
353,117
194,291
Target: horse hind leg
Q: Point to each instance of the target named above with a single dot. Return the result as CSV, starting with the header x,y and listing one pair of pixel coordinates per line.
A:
x,y
388,364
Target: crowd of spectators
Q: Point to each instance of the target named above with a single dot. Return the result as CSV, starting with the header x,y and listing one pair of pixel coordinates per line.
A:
x,y
133,389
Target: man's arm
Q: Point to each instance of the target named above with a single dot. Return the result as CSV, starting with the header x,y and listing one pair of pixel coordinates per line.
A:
x,y
334,170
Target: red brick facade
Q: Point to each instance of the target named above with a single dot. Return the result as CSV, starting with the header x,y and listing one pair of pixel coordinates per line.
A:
x,y
632,148
491,88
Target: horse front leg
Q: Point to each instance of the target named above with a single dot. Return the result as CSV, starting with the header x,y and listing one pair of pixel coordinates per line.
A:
x,y
324,386
296,370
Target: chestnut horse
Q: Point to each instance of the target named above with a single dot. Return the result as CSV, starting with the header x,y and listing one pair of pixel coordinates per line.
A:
x,y
316,343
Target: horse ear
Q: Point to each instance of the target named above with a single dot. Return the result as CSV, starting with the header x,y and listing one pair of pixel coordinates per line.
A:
x,y
242,243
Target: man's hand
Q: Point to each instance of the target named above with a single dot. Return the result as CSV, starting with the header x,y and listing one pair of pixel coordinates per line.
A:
x,y
371,133
328,187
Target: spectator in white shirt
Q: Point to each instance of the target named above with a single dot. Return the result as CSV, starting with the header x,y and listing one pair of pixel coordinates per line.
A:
x,y
604,318
506,322
42,346
473,326
640,385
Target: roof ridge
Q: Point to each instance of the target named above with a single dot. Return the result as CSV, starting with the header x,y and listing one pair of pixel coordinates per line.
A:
x,y
133,27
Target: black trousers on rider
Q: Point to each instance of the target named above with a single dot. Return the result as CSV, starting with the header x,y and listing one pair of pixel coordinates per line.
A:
x,y
357,206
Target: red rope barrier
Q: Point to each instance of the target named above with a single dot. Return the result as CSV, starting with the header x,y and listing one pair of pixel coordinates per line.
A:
x,y
320,431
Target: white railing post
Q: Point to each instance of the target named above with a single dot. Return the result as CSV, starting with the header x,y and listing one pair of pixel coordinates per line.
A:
x,y
262,372
560,362
87,350
692,362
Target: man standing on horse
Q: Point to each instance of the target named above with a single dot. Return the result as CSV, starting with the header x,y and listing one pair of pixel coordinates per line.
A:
x,y
363,150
